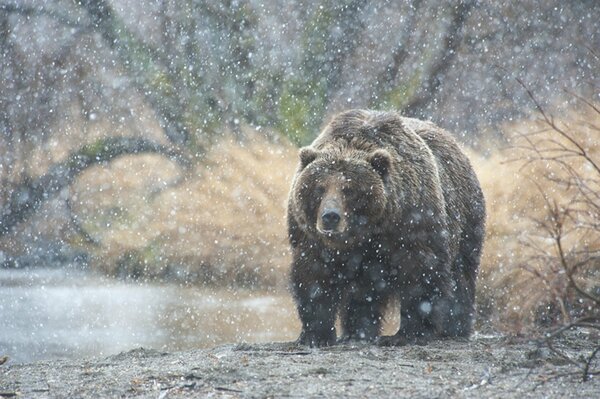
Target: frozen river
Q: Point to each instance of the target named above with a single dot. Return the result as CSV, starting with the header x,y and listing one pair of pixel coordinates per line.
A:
x,y
48,314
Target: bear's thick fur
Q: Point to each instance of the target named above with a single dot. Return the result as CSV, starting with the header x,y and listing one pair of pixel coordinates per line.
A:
x,y
381,208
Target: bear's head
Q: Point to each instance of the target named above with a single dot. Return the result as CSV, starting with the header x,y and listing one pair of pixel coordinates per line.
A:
x,y
340,197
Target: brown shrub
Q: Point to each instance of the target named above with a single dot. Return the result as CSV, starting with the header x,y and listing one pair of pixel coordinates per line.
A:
x,y
224,225
543,213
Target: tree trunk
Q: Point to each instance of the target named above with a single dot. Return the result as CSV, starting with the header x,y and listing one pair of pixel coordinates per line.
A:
x,y
31,194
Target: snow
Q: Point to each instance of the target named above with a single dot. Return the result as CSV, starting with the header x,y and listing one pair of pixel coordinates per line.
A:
x,y
190,237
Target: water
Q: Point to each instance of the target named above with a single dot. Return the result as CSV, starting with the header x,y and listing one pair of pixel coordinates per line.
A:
x,y
46,314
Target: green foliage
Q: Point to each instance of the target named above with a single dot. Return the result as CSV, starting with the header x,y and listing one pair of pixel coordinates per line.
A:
x,y
400,95
304,97
140,264
300,111
316,39
93,150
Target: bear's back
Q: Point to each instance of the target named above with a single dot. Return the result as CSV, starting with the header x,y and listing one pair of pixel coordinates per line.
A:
x,y
463,197
366,130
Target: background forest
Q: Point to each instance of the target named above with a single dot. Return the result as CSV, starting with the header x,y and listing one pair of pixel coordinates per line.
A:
x,y
156,139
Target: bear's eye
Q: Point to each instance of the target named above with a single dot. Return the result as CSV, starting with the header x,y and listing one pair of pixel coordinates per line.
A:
x,y
319,191
347,191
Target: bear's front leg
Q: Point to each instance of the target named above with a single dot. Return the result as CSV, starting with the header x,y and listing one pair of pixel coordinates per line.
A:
x,y
317,301
362,313
361,320
417,322
317,308
425,300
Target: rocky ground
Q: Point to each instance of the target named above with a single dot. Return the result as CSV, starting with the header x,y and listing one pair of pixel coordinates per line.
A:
x,y
488,367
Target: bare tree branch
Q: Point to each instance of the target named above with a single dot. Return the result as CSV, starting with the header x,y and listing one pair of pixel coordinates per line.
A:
x,y
145,65
550,121
442,65
386,79
31,194
40,11
573,173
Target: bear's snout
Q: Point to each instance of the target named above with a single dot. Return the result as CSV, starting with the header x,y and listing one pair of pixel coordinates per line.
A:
x,y
330,216
331,219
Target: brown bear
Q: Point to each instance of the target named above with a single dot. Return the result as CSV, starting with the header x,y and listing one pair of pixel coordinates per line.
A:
x,y
384,208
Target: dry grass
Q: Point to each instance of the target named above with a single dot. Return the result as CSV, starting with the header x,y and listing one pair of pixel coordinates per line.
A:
x,y
533,191
223,225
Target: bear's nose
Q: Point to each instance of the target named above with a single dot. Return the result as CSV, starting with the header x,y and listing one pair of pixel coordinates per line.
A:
x,y
331,219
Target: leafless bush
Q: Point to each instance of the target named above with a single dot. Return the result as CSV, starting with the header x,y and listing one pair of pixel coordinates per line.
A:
x,y
563,246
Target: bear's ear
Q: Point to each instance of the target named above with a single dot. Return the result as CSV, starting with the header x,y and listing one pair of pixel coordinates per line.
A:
x,y
380,160
307,155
